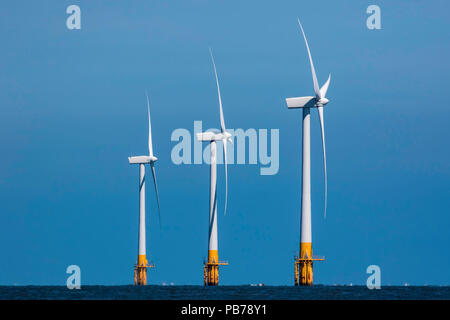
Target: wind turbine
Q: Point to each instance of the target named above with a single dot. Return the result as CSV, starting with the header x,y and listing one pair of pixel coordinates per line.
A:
x,y
140,270
304,263
211,267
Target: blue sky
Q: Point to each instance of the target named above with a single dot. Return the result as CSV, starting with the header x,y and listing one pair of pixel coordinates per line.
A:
x,y
72,109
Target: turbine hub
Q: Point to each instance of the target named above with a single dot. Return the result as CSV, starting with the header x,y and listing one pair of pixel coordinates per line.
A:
x,y
323,101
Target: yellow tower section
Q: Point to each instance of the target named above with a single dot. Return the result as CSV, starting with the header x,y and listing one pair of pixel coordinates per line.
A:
x,y
211,268
304,265
140,270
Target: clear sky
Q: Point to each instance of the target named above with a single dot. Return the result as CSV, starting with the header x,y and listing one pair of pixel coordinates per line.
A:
x,y
72,109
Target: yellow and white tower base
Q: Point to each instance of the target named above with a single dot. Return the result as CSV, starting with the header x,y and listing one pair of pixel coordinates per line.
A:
x,y
211,269
140,271
304,263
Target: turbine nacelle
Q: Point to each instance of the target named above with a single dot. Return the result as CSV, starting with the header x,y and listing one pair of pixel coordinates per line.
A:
x,y
142,159
211,136
306,102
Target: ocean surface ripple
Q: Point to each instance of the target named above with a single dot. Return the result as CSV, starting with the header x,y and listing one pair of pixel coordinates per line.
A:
x,y
157,292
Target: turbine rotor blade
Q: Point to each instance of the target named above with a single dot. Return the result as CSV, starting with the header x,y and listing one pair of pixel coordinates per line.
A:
x,y
150,146
320,111
324,89
156,190
226,174
222,121
313,71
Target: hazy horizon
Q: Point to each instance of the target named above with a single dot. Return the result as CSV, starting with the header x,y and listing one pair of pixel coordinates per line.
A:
x,y
73,109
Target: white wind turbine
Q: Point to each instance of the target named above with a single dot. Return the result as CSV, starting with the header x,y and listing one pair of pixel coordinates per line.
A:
x,y
318,101
140,275
211,276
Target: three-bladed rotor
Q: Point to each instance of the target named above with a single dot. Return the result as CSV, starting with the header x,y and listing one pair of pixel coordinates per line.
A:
x,y
224,135
318,101
150,159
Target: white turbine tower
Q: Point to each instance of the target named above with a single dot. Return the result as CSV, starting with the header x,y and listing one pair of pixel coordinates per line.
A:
x,y
304,263
140,270
211,268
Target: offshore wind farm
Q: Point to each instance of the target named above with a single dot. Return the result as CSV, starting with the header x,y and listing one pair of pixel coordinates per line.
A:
x,y
301,159
304,262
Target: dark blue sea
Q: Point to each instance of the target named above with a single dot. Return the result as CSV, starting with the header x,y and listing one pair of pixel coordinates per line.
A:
x,y
153,292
